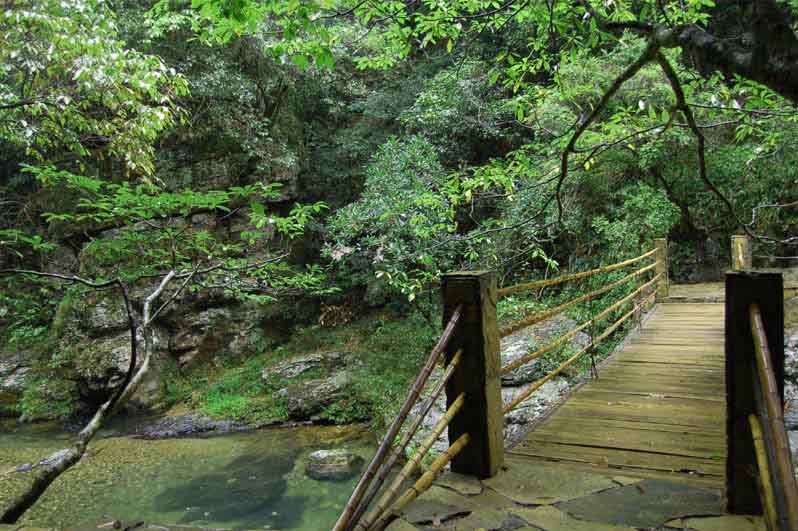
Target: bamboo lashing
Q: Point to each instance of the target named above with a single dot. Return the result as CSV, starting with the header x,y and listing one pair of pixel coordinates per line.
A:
x,y
393,430
426,479
565,337
765,478
567,363
503,292
773,417
429,401
412,464
542,316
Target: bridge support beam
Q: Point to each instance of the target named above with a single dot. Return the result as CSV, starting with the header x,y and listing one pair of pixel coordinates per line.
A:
x,y
477,374
662,268
742,290
741,254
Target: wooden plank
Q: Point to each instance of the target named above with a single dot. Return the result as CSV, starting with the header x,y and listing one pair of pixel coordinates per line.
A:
x,y
657,408
609,424
688,479
608,393
635,442
611,457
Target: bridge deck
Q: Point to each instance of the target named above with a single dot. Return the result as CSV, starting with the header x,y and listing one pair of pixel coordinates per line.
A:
x,y
657,409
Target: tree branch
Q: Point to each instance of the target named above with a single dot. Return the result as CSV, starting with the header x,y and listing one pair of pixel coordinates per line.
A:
x,y
681,104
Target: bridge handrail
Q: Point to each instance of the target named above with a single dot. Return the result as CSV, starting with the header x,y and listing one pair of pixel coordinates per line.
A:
x,y
778,484
537,284
429,401
538,317
568,335
515,402
355,503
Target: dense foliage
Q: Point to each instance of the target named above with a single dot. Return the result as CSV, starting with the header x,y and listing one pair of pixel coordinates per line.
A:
x,y
340,156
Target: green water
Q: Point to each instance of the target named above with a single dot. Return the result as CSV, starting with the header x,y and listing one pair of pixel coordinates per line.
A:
x,y
242,481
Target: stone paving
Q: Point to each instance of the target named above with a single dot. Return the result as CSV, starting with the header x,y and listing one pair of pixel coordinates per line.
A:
x,y
537,496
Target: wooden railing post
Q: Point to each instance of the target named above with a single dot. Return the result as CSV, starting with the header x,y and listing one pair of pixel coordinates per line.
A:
x,y
477,374
741,256
742,290
662,268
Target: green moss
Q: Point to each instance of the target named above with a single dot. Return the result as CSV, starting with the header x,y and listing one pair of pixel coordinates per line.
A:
x,y
62,313
46,398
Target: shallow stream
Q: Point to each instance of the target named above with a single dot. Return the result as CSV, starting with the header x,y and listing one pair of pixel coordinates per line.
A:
x,y
252,480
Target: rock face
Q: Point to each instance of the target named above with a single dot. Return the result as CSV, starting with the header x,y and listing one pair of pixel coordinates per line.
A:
x,y
791,389
14,371
333,464
528,339
294,367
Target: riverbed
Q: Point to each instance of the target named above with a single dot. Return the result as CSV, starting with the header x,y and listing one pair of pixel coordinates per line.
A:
x,y
253,480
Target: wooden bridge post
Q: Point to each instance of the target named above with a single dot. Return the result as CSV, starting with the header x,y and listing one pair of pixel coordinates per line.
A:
x,y
662,268
741,255
742,290
477,375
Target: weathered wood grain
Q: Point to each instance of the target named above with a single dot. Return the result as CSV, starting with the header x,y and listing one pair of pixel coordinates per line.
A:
x,y
657,409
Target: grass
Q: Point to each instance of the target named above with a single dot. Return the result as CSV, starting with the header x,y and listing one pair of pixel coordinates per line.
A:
x,y
390,346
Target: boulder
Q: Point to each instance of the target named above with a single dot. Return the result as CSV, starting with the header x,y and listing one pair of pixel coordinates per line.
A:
x,y
101,364
528,339
542,401
14,371
333,464
188,424
291,368
307,399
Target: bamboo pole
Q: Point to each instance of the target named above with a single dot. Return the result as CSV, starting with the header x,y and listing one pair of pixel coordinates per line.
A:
x,y
406,438
559,341
393,430
535,386
765,478
390,494
527,286
774,419
542,316
426,479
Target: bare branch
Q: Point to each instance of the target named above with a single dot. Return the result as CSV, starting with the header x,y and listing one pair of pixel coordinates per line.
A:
x,y
66,278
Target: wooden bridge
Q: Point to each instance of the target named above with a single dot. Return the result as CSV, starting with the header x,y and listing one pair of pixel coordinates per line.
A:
x,y
693,398
657,408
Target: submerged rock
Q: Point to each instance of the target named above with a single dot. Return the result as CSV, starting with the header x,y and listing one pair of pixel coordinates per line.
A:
x,y
189,424
333,464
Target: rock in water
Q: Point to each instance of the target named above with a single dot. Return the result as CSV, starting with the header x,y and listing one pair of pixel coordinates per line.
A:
x,y
333,464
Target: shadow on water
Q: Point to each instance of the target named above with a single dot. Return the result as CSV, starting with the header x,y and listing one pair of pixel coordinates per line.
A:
x,y
242,480
248,491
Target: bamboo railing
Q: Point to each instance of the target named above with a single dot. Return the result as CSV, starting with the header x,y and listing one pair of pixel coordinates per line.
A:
x,y
779,492
471,378
381,464
645,293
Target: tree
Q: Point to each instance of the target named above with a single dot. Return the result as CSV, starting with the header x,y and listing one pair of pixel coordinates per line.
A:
x,y
76,101
748,52
155,252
